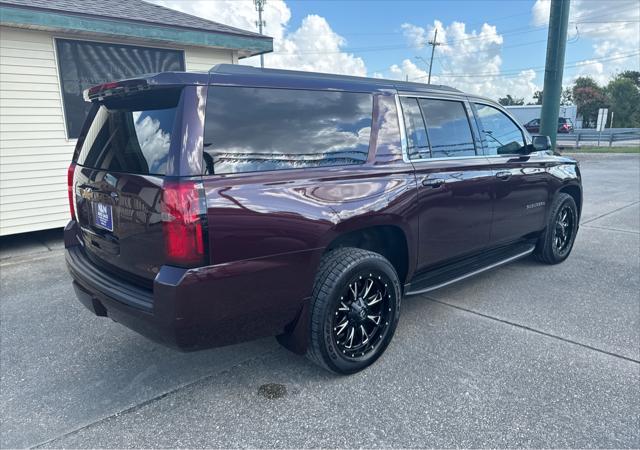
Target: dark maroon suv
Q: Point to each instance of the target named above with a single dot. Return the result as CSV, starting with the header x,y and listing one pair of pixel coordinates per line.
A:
x,y
208,209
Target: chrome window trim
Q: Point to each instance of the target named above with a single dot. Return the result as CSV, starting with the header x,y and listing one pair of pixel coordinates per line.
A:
x,y
403,136
403,132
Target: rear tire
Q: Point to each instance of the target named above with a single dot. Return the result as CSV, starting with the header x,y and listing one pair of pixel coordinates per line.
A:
x,y
556,242
355,308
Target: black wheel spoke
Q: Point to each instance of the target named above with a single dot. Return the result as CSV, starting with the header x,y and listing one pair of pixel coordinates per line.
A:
x,y
563,229
361,315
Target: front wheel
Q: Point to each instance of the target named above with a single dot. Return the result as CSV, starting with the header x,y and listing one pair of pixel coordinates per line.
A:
x,y
355,308
556,242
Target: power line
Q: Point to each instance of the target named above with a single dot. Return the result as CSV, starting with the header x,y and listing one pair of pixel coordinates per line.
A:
x,y
516,72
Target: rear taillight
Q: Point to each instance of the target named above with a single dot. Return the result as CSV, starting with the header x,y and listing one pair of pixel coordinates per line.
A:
x,y
184,222
70,189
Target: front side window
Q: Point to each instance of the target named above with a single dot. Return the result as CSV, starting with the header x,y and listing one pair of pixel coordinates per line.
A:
x,y
499,134
448,128
417,141
257,129
84,64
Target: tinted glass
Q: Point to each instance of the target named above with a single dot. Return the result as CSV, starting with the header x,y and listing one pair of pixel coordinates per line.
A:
x,y
132,141
417,141
499,133
84,64
253,129
448,128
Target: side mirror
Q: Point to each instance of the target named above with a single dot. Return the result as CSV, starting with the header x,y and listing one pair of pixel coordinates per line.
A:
x,y
541,143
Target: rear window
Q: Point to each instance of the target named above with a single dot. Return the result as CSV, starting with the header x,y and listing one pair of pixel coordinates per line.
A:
x,y
255,129
131,136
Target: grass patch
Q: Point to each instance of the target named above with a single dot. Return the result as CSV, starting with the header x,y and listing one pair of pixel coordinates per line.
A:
x,y
593,149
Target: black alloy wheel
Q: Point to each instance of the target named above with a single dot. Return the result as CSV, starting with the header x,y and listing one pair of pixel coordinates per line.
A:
x,y
564,228
556,241
362,315
355,308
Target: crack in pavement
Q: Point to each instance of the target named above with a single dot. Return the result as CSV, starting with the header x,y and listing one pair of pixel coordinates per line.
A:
x,y
611,229
264,356
533,330
154,399
610,212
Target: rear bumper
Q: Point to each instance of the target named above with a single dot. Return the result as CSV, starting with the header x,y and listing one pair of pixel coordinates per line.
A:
x,y
191,309
135,307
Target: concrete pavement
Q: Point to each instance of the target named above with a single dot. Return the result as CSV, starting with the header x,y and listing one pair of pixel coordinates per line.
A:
x,y
526,355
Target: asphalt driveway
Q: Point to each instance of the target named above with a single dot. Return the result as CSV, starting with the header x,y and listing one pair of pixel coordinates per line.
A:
x,y
525,355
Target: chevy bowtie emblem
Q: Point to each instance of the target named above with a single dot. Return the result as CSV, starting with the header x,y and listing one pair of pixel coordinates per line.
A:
x,y
86,193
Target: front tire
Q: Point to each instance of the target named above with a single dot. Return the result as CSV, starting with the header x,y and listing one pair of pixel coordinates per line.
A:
x,y
355,308
556,242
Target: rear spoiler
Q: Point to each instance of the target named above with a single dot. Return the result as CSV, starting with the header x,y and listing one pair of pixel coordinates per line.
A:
x,y
143,83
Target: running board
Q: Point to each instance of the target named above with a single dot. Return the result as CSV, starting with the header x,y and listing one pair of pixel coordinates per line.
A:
x,y
460,270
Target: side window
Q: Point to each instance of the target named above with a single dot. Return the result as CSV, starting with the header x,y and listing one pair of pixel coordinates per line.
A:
x,y
259,129
448,128
500,136
417,140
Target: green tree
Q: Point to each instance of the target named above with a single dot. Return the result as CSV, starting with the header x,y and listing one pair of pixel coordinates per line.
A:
x,y
588,97
565,99
624,98
632,75
511,101
537,96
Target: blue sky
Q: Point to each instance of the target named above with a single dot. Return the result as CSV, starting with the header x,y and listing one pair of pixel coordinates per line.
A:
x,y
379,24
491,47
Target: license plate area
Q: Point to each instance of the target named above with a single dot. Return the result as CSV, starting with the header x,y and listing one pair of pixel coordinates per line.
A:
x,y
103,216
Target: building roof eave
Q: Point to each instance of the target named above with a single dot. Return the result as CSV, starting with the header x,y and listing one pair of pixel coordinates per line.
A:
x,y
167,34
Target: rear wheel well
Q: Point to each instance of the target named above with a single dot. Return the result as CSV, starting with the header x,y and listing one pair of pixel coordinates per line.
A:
x,y
387,240
574,191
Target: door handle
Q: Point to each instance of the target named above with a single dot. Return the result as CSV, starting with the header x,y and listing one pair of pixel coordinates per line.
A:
x,y
503,175
433,182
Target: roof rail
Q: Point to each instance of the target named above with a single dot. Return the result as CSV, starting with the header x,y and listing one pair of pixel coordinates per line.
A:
x,y
236,69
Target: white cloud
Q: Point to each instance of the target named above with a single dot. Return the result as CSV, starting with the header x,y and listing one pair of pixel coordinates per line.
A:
x,y
477,52
613,27
314,46
416,36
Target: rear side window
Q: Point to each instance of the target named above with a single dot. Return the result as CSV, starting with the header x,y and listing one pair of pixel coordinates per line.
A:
x,y
417,141
448,128
256,129
131,137
499,134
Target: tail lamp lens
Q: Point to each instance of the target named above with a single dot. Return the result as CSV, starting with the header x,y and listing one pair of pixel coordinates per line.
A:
x,y
70,190
183,222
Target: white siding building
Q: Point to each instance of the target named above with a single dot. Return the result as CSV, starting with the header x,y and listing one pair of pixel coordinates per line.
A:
x,y
38,91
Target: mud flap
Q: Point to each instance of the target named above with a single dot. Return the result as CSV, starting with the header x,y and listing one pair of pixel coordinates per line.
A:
x,y
296,335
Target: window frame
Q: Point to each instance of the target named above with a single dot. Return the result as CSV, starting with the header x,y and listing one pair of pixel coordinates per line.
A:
x,y
294,170
58,67
470,113
522,129
424,124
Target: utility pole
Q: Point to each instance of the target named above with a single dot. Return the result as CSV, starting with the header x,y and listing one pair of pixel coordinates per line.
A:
x,y
554,66
260,23
433,45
